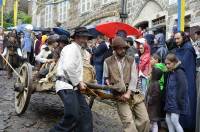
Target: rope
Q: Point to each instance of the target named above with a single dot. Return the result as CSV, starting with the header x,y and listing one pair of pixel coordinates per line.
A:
x,y
10,66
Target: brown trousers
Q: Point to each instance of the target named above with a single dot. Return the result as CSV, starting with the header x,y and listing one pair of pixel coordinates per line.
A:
x,y
134,116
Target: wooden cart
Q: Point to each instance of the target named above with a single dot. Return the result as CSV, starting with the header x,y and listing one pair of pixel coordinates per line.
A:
x,y
26,85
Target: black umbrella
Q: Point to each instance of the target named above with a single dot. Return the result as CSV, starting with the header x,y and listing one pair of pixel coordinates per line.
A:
x,y
61,31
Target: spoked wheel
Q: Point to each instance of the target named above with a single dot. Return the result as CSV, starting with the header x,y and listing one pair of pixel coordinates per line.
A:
x,y
23,89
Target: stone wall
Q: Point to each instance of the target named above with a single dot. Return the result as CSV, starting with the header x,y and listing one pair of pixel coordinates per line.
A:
x,y
138,12
9,6
23,5
95,15
138,6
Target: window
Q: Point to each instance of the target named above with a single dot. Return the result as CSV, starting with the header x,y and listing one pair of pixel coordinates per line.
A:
x,y
105,2
129,6
86,5
62,11
48,15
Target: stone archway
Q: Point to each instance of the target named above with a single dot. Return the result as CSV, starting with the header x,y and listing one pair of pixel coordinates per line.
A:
x,y
146,10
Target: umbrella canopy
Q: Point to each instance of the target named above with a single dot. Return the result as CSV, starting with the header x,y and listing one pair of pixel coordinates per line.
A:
x,y
61,31
23,27
92,30
112,28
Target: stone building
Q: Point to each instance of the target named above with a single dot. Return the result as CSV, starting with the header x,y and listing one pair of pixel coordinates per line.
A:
x,y
152,14
92,12
46,14
147,14
23,5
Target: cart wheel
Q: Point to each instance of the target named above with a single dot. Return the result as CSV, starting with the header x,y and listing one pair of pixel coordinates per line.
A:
x,y
23,96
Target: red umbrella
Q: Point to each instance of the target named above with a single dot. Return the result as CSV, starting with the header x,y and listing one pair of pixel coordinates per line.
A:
x,y
110,29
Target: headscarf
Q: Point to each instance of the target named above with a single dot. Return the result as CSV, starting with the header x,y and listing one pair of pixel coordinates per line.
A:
x,y
44,38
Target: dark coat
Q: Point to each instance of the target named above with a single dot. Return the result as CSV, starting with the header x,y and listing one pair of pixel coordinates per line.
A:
x,y
187,56
13,58
98,60
99,53
154,96
177,99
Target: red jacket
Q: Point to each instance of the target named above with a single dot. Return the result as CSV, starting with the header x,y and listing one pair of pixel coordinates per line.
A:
x,y
145,64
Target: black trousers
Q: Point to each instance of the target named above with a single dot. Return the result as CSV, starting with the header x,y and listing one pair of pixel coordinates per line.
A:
x,y
77,114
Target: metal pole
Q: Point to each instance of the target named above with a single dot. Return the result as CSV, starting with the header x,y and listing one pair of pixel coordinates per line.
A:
x,y
15,12
2,15
123,12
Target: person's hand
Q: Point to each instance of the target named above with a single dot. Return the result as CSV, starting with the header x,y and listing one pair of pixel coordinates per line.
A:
x,y
125,97
50,60
82,86
107,82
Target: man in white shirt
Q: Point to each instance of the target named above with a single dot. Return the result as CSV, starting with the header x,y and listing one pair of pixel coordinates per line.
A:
x,y
77,114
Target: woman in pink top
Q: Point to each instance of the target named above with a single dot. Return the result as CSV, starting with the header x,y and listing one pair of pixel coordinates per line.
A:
x,y
144,65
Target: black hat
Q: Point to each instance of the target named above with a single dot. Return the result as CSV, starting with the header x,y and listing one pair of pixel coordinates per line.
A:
x,y
82,32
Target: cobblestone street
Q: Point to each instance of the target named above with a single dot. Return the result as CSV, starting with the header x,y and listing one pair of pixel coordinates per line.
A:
x,y
45,110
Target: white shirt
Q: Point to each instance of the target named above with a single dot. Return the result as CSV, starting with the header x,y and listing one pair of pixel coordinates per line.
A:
x,y
42,56
70,66
120,64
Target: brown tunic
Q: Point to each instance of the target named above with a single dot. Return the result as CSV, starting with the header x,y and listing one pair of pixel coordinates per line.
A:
x,y
114,75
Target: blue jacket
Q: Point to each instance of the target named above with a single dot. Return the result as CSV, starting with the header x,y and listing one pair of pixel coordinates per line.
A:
x,y
27,43
177,98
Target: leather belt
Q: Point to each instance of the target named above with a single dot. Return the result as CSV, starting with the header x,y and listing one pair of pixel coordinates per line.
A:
x,y
63,79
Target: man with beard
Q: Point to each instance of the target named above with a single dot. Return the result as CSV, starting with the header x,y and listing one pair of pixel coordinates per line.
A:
x,y
120,69
77,114
186,54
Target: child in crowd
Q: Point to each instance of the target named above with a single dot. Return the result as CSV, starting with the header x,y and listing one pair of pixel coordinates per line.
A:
x,y
154,99
177,99
156,62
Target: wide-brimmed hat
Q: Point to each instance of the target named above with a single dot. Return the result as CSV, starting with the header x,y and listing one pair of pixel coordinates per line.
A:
x,y
119,42
81,32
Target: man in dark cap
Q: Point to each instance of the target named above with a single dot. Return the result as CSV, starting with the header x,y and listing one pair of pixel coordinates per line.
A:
x,y
120,69
62,42
77,114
